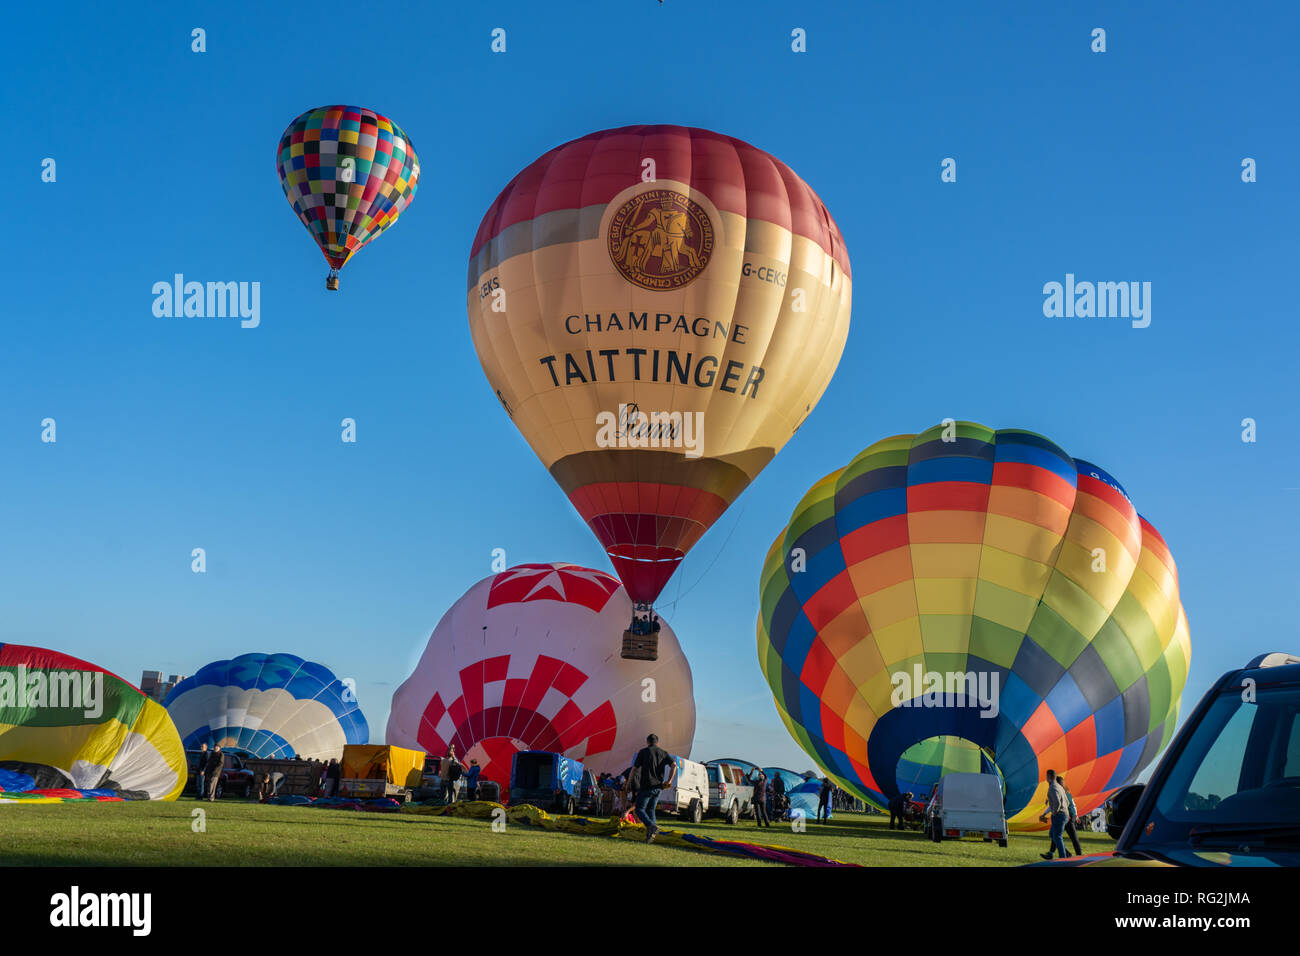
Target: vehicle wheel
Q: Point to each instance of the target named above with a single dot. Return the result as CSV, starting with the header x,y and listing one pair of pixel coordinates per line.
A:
x,y
936,831
695,812
733,813
1003,842
570,806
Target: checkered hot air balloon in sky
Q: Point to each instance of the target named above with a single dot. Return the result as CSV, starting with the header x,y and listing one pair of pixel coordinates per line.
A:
x,y
657,308
523,661
349,173
968,599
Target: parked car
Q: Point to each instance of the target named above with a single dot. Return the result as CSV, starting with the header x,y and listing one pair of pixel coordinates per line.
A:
x,y
688,797
236,778
1227,791
588,793
731,796
431,774
965,806
547,780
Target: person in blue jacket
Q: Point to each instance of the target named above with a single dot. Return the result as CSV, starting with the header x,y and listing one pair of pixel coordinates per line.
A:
x,y
471,780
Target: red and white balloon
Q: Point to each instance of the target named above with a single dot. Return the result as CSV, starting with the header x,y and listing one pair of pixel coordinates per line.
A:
x,y
528,660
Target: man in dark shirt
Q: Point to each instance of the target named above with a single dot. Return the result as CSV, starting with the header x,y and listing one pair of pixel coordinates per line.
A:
x,y
760,798
824,800
216,764
896,811
648,772
201,772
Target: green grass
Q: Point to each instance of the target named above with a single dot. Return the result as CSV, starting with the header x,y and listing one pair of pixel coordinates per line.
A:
x,y
250,834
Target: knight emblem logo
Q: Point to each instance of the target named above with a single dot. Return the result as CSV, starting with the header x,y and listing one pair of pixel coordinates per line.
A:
x,y
660,239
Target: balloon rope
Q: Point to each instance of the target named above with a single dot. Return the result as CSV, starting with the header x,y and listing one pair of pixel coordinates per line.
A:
x,y
714,561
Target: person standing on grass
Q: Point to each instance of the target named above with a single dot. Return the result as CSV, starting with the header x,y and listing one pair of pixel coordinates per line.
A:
x,y
471,780
896,803
1071,812
448,787
824,801
1057,808
214,767
457,774
620,786
652,771
761,818
201,773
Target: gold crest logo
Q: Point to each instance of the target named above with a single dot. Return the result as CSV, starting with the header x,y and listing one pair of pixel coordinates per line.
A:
x,y
660,239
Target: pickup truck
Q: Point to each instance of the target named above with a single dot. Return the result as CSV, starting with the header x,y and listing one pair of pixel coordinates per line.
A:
x,y
236,778
730,796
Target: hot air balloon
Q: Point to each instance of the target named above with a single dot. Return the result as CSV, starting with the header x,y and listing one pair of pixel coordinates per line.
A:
x,y
657,308
70,730
268,705
349,173
523,662
981,585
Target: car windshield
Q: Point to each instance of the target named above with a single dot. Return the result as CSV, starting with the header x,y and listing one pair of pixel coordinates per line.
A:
x,y
1238,776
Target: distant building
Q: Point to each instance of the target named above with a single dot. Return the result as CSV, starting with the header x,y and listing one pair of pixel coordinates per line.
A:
x,y
153,685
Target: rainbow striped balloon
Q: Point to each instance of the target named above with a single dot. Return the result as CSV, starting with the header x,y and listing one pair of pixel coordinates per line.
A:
x,y
968,597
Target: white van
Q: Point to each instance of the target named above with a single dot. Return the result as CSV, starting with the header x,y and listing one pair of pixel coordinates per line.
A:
x,y
967,805
689,795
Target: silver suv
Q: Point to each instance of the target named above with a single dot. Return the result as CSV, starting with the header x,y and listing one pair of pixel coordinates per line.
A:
x,y
730,797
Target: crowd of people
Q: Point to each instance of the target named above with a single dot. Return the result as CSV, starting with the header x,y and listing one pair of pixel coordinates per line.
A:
x,y
647,623
209,784
636,791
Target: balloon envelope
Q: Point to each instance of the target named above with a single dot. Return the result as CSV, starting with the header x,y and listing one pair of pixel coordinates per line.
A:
x,y
1021,579
657,308
69,729
525,660
268,705
349,173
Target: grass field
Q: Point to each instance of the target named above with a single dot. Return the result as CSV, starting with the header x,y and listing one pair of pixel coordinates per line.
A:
x,y
251,834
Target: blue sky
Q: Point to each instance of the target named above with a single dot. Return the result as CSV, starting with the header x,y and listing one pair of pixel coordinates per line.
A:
x,y
183,433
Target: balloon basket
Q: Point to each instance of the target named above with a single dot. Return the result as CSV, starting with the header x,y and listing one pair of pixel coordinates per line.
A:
x,y
332,282
640,647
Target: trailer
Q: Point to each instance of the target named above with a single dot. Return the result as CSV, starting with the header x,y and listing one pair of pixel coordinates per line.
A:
x,y
378,770
288,777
